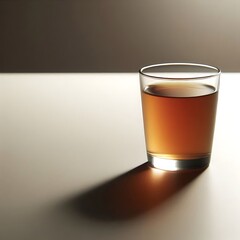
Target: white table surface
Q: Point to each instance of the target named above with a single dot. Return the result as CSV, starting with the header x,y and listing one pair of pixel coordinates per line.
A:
x,y
72,164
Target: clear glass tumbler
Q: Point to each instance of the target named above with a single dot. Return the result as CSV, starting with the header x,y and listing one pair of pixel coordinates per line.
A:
x,y
179,102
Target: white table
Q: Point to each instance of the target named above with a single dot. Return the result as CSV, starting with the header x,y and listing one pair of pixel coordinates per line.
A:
x,y
67,143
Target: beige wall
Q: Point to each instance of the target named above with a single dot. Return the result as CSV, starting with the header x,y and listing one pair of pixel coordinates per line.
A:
x,y
117,36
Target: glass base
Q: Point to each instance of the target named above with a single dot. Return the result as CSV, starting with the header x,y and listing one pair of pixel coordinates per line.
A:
x,y
175,164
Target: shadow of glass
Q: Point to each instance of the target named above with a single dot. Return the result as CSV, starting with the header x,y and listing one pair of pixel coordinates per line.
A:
x,y
130,194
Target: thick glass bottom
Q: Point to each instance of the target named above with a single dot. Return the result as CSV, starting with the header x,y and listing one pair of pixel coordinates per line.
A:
x,y
176,164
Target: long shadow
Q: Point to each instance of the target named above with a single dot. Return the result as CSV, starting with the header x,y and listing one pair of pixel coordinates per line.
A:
x,y
130,194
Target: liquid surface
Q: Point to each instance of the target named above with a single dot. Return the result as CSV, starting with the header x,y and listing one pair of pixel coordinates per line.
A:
x,y
179,90
179,119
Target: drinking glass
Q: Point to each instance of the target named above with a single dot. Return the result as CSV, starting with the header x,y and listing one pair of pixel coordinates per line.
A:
x,y
179,102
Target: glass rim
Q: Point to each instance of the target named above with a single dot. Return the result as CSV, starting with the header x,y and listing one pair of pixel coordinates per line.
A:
x,y
217,73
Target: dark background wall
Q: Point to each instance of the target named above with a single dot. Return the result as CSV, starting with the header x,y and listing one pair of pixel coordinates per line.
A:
x,y
117,36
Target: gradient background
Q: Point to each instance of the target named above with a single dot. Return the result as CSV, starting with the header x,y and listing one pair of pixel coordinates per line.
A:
x,y
117,36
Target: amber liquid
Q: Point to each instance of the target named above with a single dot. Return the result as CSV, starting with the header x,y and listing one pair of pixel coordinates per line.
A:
x,y
179,120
